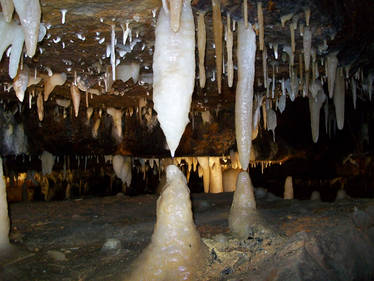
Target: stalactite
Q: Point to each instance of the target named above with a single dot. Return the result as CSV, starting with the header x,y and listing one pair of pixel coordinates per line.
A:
x,y
307,45
229,46
339,97
40,106
332,63
201,43
316,101
174,74
217,30
260,17
215,185
76,98
246,53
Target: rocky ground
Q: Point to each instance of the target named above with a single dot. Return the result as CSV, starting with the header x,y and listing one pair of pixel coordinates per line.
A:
x,y
98,238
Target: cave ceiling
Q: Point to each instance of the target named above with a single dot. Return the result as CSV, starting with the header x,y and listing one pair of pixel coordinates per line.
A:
x,y
78,48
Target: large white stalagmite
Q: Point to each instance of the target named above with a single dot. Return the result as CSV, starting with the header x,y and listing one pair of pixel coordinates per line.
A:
x,y
174,74
246,54
243,206
316,101
175,251
29,13
339,98
4,218
201,44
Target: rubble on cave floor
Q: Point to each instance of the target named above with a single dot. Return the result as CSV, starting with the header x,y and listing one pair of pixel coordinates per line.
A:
x,y
290,239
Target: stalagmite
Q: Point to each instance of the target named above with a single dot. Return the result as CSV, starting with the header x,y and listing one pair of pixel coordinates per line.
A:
x,y
246,53
4,218
332,64
260,17
117,121
48,160
175,251
11,34
174,74
21,82
215,185
243,207
40,106
126,71
217,30
307,45
76,98
122,168
57,79
201,43
229,46
29,13
339,98
8,8
288,188
229,177
315,196
316,101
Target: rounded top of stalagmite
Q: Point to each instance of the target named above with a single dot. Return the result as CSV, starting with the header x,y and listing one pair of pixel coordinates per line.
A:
x,y
173,172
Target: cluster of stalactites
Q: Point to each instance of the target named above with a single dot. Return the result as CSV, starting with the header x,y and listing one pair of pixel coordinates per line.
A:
x,y
13,34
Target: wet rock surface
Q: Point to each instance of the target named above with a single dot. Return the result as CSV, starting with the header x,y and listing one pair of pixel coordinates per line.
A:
x,y
290,239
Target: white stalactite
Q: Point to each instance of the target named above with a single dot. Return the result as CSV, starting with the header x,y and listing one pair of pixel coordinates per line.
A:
x,y
117,122
7,8
332,64
201,44
174,74
76,98
339,98
229,47
217,30
21,82
260,17
29,13
246,53
316,101
307,45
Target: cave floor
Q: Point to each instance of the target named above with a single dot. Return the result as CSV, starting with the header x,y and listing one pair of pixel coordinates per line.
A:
x,y
290,240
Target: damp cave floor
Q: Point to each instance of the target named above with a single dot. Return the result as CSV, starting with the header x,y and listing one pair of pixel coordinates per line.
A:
x,y
290,240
